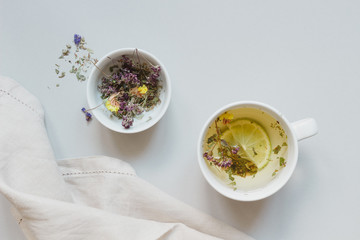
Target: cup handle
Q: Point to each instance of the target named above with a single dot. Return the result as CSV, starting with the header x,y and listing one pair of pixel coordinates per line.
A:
x,y
305,128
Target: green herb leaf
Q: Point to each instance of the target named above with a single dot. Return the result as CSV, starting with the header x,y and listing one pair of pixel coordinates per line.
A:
x,y
73,70
212,138
229,172
231,178
277,149
80,77
65,52
282,162
62,75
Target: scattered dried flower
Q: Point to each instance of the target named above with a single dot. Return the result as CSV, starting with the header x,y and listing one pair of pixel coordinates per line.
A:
x,y
77,39
82,58
88,115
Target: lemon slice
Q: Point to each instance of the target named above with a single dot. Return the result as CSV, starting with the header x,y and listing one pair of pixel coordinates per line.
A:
x,y
252,139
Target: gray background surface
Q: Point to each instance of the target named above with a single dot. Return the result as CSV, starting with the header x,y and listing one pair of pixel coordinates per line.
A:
x,y
302,57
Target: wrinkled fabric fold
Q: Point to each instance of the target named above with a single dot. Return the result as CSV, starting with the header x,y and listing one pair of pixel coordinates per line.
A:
x,y
84,198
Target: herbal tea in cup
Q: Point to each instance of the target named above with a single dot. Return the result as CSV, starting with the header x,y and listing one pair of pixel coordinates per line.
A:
x,y
245,148
248,150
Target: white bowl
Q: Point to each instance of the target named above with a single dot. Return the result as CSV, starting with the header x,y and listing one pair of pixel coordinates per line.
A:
x,y
104,115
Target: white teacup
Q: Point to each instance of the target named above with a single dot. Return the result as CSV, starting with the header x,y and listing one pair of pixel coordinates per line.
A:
x,y
295,132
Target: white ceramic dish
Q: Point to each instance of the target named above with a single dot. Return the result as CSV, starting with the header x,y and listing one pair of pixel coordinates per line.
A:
x,y
103,115
295,132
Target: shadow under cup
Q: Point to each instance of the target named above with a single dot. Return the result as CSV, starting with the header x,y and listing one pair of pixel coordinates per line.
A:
x,y
256,111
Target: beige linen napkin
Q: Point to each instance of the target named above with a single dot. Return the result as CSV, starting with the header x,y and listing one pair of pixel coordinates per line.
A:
x,y
87,198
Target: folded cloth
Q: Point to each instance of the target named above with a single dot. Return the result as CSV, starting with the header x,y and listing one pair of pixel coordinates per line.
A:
x,y
86,198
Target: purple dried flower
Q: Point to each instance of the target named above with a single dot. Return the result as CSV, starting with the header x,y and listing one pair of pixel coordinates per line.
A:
x,y
115,76
87,114
130,78
132,107
122,105
129,107
153,79
235,150
77,39
125,96
127,122
127,62
207,156
107,87
226,163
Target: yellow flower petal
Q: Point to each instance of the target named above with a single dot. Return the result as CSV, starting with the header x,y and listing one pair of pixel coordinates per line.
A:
x,y
226,116
111,108
142,89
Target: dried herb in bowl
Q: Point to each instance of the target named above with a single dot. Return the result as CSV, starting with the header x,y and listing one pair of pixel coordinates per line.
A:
x,y
132,87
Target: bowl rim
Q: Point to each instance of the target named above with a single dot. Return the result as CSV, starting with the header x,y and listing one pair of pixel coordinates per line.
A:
x,y
257,194
127,51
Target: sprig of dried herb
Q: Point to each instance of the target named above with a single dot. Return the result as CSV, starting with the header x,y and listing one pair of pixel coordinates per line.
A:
x,y
228,158
87,114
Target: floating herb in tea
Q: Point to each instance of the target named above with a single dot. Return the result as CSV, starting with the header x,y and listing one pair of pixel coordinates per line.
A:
x,y
277,149
230,149
245,148
282,162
